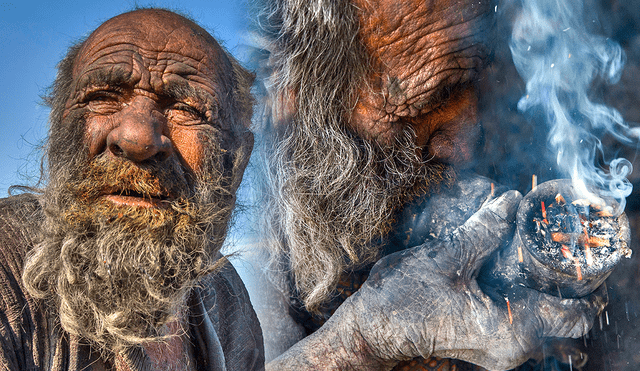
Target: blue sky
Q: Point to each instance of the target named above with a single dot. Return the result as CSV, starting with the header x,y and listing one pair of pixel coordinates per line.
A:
x,y
34,36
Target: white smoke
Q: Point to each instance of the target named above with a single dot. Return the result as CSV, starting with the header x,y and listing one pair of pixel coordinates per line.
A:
x,y
558,58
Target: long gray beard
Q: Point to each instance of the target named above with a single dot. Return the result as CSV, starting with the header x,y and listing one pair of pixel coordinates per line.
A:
x,y
118,275
332,196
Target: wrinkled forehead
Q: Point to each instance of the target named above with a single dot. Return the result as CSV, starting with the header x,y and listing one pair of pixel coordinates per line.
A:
x,y
153,45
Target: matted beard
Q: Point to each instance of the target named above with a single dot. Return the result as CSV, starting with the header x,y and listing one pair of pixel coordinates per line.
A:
x,y
118,274
333,196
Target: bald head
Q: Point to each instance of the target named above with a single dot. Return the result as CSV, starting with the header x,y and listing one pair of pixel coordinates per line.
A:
x,y
156,47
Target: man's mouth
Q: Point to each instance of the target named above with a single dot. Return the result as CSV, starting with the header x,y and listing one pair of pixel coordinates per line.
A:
x,y
137,199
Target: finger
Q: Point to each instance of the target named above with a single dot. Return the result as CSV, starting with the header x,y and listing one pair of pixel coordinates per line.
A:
x,y
485,231
568,317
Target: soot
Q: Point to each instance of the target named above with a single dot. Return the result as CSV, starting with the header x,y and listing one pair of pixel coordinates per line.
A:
x,y
574,232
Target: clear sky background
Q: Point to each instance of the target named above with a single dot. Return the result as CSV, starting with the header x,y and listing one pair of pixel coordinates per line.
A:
x,y
34,36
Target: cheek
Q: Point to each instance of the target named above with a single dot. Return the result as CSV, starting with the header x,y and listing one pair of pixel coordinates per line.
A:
x,y
455,144
187,142
96,131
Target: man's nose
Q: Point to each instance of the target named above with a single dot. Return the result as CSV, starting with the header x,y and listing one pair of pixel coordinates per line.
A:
x,y
138,134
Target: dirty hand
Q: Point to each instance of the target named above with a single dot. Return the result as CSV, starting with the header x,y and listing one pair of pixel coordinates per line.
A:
x,y
425,301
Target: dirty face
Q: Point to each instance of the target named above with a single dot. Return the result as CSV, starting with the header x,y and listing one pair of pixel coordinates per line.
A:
x,y
146,149
358,129
150,86
425,57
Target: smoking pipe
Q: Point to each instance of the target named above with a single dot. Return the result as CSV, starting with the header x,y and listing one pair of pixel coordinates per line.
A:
x,y
525,262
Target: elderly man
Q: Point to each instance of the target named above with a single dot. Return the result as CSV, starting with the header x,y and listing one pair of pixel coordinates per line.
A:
x,y
371,118
116,264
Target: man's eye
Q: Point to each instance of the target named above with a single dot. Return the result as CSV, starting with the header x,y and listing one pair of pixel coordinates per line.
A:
x,y
102,96
103,101
184,114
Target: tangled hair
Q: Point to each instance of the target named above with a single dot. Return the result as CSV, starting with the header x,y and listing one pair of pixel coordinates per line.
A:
x,y
243,100
309,44
330,193
116,275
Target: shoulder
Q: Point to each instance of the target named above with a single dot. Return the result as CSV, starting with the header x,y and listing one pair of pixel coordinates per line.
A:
x,y
19,220
19,217
227,303
21,317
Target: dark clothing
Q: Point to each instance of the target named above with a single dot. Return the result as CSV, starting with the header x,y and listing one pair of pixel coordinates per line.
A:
x,y
224,329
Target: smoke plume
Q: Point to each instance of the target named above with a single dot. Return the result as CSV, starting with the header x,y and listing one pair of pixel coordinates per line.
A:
x,y
559,58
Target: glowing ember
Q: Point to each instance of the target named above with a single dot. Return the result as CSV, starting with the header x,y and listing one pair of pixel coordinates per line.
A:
x,y
576,231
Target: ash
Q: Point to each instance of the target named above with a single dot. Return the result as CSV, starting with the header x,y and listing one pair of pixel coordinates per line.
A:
x,y
576,233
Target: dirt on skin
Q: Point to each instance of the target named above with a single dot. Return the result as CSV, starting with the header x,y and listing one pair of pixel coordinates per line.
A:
x,y
515,149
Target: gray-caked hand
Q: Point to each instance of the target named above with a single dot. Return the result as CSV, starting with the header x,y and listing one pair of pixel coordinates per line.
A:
x,y
425,301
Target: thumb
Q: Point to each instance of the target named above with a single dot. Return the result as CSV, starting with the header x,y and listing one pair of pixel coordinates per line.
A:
x,y
485,231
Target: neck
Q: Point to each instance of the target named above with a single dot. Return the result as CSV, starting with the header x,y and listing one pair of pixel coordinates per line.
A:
x,y
174,353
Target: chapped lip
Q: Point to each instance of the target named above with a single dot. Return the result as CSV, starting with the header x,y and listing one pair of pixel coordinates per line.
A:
x,y
134,198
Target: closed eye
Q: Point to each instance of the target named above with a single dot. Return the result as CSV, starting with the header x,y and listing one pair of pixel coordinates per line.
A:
x,y
103,101
185,114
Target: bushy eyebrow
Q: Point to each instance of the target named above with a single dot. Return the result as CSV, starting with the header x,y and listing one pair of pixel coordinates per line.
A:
x,y
181,91
172,90
105,76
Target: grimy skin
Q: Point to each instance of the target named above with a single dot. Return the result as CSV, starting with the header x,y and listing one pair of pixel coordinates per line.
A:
x,y
151,83
426,58
426,301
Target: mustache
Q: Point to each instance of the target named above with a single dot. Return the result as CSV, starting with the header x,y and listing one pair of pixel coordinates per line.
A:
x,y
165,182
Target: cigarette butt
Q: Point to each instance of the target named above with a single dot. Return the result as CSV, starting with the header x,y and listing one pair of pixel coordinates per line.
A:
x,y
594,241
578,270
534,178
509,311
493,190
587,249
560,237
520,257
587,255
